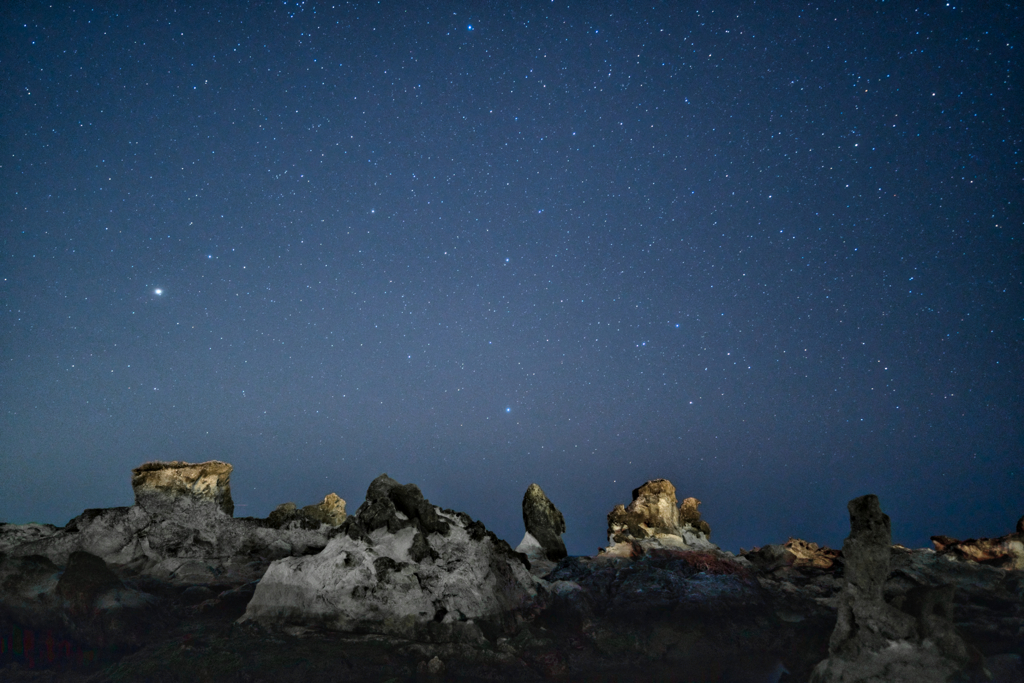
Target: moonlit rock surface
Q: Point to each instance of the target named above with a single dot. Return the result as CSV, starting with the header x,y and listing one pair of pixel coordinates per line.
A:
x,y
163,486
421,573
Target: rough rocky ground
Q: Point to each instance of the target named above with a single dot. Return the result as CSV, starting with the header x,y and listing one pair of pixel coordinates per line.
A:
x,y
175,589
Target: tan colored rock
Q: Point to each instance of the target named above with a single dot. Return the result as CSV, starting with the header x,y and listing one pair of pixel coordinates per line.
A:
x,y
653,511
807,554
653,520
163,486
688,514
329,511
1005,552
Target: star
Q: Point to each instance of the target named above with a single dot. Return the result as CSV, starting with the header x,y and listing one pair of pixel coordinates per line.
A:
x,y
158,291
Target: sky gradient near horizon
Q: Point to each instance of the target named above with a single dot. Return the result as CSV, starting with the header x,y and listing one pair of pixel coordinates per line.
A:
x,y
771,253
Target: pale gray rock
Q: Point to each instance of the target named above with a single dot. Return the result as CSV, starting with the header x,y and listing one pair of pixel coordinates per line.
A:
x,y
540,565
401,566
179,532
878,642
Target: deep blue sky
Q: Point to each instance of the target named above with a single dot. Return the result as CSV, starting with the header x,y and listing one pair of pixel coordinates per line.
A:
x,y
771,252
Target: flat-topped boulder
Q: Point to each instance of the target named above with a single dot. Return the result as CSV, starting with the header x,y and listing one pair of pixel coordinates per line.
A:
x,y
163,487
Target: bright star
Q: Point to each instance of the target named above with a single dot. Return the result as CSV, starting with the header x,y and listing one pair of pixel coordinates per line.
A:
x,y
508,410
158,291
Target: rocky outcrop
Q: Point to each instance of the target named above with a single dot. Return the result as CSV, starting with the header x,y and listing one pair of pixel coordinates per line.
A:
x,y
331,511
164,487
1006,552
399,566
793,553
180,532
652,520
909,641
545,525
406,590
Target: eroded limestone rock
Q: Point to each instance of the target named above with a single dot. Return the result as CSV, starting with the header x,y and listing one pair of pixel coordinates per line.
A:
x,y
400,566
161,487
1005,552
875,641
652,520
331,511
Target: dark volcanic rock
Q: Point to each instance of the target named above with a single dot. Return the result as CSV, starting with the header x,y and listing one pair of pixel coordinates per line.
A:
x,y
544,527
876,641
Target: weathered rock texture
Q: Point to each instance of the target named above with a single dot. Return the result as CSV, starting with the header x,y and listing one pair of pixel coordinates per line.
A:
x,y
653,521
161,487
544,527
129,594
400,566
330,511
875,641
111,577
1006,552
793,553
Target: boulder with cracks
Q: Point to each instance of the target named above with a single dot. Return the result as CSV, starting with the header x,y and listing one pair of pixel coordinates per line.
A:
x,y
403,567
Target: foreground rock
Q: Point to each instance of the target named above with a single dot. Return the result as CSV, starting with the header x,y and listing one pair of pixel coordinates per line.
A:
x,y
652,521
545,525
400,566
913,640
405,590
113,577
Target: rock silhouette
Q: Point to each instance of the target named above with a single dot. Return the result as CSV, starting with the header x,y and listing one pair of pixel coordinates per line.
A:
x,y
874,640
545,525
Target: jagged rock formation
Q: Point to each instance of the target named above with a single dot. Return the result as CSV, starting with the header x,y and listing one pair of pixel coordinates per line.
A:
x,y
106,577
793,553
180,530
1006,552
545,525
399,566
163,487
874,641
405,590
653,521
330,511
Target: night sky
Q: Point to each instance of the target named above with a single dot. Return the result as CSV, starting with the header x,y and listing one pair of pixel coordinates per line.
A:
x,y
771,252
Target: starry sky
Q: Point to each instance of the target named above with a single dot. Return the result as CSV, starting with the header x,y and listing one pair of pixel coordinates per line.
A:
x,y
768,251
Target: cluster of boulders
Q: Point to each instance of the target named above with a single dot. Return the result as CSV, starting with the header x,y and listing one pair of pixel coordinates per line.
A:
x,y
104,578
440,595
